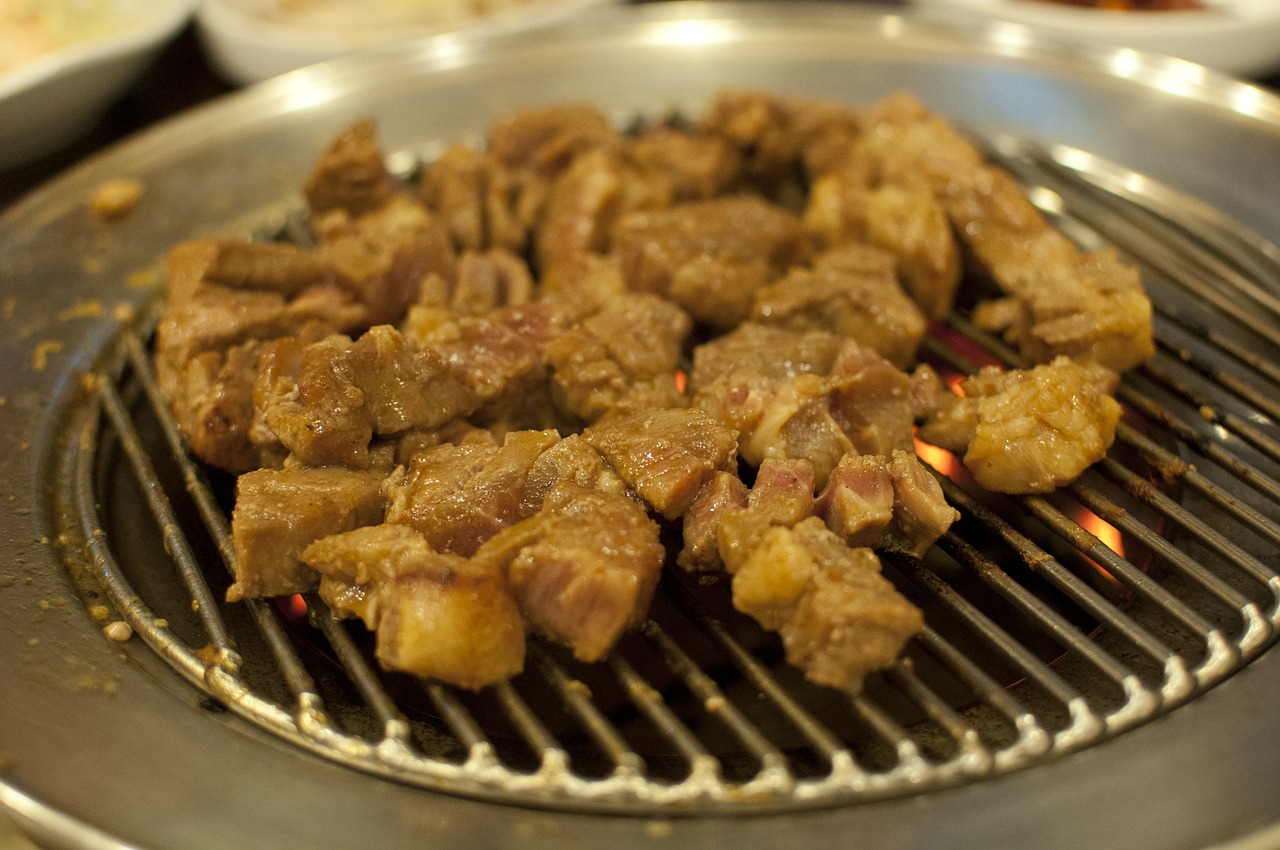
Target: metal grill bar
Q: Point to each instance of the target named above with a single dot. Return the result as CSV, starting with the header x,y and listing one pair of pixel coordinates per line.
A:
x,y
1041,637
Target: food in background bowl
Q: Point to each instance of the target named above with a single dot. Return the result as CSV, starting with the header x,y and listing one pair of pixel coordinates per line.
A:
x,y
250,40
1134,5
63,63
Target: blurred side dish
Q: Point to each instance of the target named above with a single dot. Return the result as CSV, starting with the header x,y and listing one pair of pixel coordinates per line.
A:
x,y
1134,5
32,29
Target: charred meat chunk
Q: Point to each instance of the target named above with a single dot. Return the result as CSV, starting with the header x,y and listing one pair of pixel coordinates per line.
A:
x,y
436,615
583,568
279,512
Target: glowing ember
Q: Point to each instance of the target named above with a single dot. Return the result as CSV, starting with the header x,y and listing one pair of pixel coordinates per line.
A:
x,y
296,606
940,459
1107,533
682,381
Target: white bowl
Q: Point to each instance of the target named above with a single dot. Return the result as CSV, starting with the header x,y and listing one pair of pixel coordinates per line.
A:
x,y
50,101
250,40
1238,37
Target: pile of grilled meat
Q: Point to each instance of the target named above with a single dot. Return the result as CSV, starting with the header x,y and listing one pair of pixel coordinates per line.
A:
x,y
470,409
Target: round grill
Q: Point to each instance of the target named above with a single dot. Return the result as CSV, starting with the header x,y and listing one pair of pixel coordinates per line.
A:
x,y
1067,638
1053,622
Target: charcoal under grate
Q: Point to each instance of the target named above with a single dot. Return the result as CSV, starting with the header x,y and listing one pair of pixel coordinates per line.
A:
x,y
1053,622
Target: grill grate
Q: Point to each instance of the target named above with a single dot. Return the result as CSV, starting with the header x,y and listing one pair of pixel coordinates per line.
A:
x,y
1053,622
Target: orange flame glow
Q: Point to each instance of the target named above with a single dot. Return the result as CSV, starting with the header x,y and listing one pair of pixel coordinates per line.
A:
x,y
940,459
1107,533
296,606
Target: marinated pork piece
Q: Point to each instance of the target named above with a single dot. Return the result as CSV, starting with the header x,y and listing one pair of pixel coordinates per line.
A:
x,y
325,401
212,400
583,569
907,221
666,456
1088,306
201,315
458,496
781,495
696,166
709,256
489,280
1029,431
572,460
888,503
620,359
488,354
279,512
814,396
546,139
777,134
351,175
454,185
838,617
586,201
436,615
850,291
724,495
265,266
384,255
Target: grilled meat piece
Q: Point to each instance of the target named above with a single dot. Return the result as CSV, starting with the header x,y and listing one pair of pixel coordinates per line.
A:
x,y
1029,431
838,617
851,291
489,280
813,395
724,495
351,175
889,503
325,401
583,569
279,512
708,256
546,139
777,134
665,456
436,615
212,401
907,221
458,496
384,255
781,495
621,358
586,201
572,460
696,166
1088,306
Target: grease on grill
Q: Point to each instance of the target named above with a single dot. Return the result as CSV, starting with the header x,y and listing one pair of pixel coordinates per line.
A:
x,y
479,359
